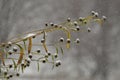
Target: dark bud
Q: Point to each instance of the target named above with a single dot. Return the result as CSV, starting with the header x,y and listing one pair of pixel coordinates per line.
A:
x,y
68,19
10,66
10,52
15,49
77,40
68,41
60,26
77,28
61,39
46,56
56,26
7,46
89,30
93,13
38,51
30,56
49,53
10,43
17,74
80,19
51,24
33,36
43,40
43,61
27,65
46,24
5,73
55,55
10,76
75,23
104,18
3,44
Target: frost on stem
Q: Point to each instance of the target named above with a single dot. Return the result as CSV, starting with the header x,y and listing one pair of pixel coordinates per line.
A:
x,y
25,53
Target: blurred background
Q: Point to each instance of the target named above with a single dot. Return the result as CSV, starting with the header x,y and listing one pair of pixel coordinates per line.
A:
x,y
96,58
